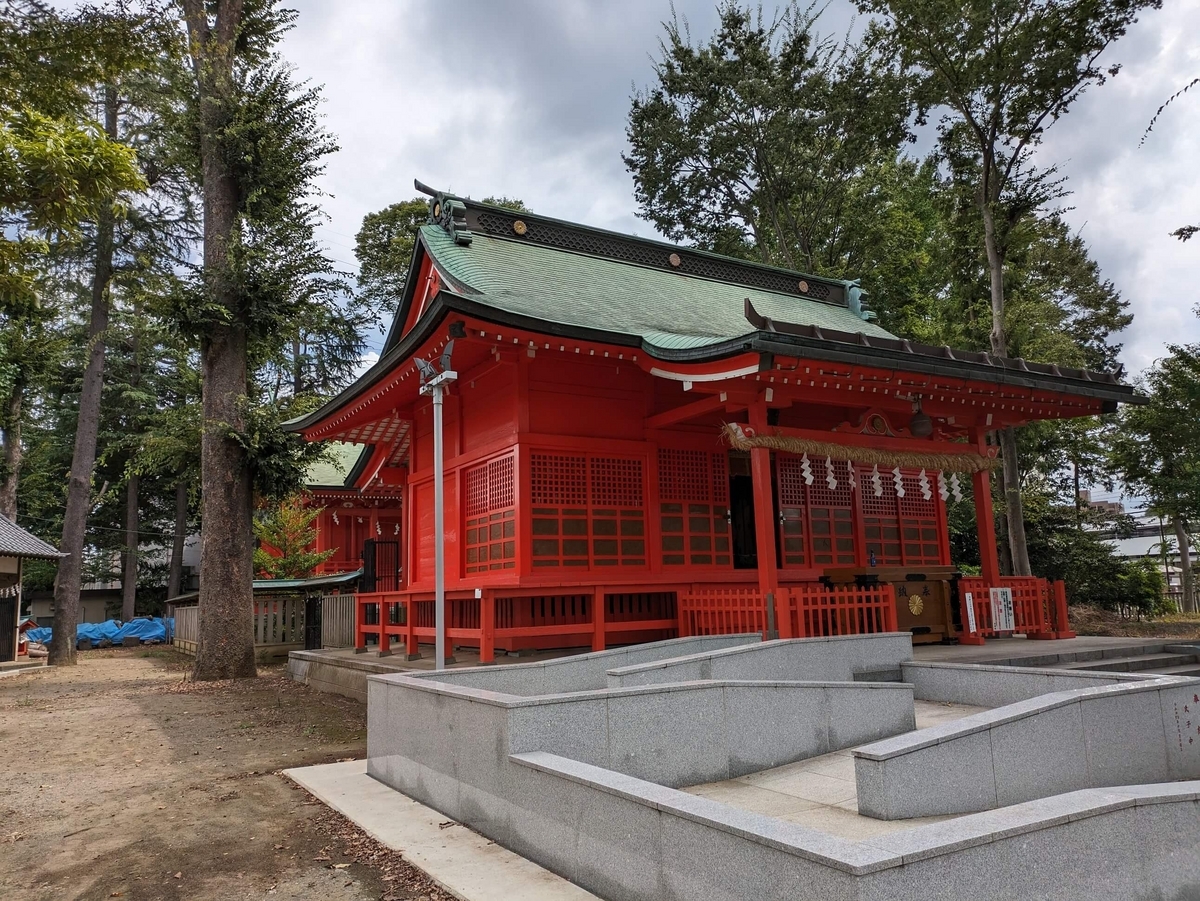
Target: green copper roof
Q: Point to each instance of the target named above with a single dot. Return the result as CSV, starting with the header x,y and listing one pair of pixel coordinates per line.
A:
x,y
666,309
331,469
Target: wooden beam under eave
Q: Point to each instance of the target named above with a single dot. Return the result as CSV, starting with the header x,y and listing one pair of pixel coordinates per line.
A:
x,y
668,418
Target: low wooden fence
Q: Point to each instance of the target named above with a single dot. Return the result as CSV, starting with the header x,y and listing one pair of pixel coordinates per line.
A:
x,y
187,628
278,625
1039,607
337,621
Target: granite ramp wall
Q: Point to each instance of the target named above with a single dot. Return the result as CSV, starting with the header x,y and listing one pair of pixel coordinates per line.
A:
x,y
581,672
980,685
677,735
1129,734
838,658
629,840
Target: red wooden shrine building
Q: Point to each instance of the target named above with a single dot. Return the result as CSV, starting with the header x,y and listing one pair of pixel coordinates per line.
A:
x,y
647,441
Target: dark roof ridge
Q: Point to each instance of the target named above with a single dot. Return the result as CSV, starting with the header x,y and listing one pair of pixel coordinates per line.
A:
x,y
461,217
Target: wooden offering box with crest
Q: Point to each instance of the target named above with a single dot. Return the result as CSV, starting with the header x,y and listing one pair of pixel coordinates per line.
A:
x,y
924,597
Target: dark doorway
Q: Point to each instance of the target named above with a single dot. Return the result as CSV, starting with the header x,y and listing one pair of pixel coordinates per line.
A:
x,y
741,517
381,566
312,622
8,628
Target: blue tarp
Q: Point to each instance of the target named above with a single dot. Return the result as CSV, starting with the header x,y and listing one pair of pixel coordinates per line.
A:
x,y
147,629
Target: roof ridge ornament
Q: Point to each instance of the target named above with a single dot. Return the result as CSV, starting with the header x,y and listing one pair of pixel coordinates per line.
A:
x,y
449,212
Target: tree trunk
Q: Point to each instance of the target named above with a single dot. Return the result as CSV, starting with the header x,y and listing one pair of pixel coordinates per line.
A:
x,y
79,483
226,641
1187,603
129,571
1008,436
12,453
175,577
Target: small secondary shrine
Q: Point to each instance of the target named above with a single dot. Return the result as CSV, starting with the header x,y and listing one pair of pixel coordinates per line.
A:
x,y
647,441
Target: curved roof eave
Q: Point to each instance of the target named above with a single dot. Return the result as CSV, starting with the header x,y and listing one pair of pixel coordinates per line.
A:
x,y
765,342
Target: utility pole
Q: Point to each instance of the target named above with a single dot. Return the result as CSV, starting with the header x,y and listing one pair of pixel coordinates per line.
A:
x,y
435,384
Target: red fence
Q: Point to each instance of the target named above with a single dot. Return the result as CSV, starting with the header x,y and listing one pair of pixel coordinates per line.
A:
x,y
515,619
1039,607
819,610
511,620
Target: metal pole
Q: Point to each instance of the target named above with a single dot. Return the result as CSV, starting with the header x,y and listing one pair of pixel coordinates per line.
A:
x,y
439,559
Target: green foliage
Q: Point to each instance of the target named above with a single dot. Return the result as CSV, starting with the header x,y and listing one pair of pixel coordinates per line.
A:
x,y
768,142
285,531
384,250
1156,447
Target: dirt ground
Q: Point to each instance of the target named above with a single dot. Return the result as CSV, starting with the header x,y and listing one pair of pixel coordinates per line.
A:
x,y
123,780
1092,621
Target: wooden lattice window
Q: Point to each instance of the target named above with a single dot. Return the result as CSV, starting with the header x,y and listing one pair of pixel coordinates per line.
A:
x,y
587,511
491,526
881,525
693,489
618,512
919,521
792,508
831,521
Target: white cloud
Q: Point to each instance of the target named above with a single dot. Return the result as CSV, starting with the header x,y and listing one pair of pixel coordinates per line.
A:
x,y
529,100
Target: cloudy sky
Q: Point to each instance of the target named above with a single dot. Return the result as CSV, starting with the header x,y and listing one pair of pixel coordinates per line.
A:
x,y
529,99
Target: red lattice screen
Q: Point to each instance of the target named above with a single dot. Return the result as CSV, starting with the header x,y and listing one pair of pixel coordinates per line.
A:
x,y
881,525
831,521
793,524
919,520
587,511
491,525
693,489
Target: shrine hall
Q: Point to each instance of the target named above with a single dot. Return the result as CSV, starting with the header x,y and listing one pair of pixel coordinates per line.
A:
x,y
647,441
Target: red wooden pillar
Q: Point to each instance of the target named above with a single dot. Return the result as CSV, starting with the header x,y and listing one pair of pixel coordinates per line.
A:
x,y
1062,625
599,639
764,524
410,626
985,527
385,645
487,626
989,556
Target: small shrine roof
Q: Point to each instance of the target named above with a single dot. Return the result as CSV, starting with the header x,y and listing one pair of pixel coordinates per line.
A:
x,y
334,467
16,542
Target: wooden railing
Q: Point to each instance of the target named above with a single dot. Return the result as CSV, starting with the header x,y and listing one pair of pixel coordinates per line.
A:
x,y
721,610
1039,607
819,610
518,619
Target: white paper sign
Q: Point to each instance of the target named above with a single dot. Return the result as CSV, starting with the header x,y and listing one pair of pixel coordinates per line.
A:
x,y
1002,609
970,613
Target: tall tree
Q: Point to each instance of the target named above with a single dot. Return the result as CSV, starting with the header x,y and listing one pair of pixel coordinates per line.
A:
x,y
1157,450
257,148
767,142
1005,70
57,169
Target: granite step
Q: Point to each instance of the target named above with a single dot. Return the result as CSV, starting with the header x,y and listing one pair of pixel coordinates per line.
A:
x,y
1186,669
1139,663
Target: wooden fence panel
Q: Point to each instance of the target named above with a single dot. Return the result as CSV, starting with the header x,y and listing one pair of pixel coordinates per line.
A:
x,y
337,621
187,628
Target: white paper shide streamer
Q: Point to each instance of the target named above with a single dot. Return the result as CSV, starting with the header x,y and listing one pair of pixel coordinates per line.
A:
x,y
923,481
850,476
955,488
898,480
806,469
943,489
830,478
876,481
